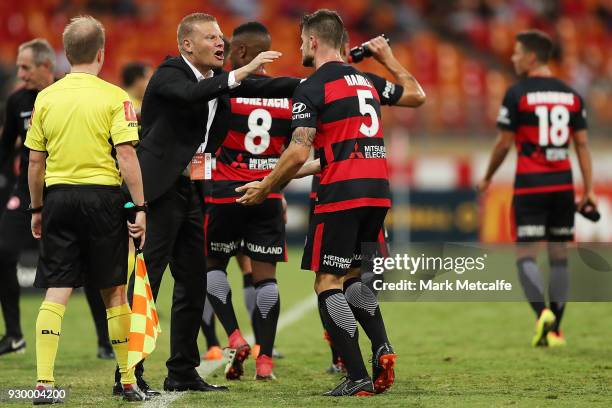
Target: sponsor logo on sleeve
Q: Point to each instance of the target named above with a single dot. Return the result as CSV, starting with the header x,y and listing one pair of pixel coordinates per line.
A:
x,y
298,111
130,113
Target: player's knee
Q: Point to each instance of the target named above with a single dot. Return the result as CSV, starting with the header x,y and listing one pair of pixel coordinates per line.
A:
x,y
216,263
326,281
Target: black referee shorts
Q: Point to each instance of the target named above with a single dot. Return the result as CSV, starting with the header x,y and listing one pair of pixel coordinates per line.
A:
x,y
84,238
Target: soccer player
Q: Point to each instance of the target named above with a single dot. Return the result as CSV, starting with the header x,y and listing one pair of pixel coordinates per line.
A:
x,y
73,142
259,130
407,92
35,66
541,115
338,110
134,78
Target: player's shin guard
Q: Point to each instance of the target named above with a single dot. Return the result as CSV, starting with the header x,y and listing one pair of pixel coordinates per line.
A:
x,y
531,280
342,328
365,307
48,330
557,290
119,318
219,294
265,315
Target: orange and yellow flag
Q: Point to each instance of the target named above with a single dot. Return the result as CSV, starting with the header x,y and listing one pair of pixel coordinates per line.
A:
x,y
144,327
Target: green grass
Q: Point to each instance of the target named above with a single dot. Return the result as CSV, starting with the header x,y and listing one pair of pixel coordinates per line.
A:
x,y
450,354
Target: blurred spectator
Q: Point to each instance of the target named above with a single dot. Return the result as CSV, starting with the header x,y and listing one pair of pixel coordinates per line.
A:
x,y
135,77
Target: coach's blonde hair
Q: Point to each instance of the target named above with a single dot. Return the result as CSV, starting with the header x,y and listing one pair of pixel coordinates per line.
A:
x,y
185,27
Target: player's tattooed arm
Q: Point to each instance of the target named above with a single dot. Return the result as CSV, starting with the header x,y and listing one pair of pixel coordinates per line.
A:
x,y
289,163
303,136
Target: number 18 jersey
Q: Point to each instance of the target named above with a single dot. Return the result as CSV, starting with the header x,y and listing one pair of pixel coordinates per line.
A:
x,y
544,113
344,107
259,130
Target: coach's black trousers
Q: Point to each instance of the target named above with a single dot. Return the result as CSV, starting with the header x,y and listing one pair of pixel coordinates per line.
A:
x,y
175,237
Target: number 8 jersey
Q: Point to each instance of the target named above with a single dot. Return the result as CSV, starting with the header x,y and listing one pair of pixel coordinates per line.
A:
x,y
544,113
259,130
343,105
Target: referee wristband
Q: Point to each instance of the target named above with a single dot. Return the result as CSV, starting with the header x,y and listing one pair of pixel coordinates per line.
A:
x,y
34,210
137,208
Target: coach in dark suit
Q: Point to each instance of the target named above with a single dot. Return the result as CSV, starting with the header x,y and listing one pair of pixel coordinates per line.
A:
x,y
184,111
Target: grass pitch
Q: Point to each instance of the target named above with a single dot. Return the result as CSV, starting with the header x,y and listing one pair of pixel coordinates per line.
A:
x,y
450,354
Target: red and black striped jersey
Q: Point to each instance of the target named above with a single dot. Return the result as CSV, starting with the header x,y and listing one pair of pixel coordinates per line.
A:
x,y
344,107
259,130
544,113
389,94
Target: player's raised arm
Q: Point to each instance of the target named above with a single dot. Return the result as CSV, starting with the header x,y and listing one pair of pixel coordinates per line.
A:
x,y
413,94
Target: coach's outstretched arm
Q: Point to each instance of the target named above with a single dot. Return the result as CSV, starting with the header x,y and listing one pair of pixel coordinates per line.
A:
x,y
168,84
289,163
413,95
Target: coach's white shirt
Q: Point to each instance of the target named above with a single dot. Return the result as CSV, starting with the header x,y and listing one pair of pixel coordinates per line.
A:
x,y
212,104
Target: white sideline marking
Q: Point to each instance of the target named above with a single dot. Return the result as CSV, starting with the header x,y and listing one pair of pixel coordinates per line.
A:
x,y
208,367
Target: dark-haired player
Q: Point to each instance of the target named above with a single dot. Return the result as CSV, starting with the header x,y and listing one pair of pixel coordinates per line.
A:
x,y
338,111
541,115
407,92
135,77
259,130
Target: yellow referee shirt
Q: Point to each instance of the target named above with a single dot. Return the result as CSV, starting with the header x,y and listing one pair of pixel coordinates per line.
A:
x,y
77,121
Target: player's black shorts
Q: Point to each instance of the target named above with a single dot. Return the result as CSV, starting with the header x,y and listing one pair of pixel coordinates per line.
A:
x,y
15,228
261,227
334,240
84,238
544,216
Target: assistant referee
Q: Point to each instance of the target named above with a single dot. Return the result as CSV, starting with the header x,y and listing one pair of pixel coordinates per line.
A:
x,y
79,125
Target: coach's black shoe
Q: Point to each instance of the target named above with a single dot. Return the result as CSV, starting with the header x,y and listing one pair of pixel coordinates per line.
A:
x,y
132,393
196,384
46,395
348,387
383,372
10,344
106,353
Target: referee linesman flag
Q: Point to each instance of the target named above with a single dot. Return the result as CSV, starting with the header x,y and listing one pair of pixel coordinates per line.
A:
x,y
144,325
